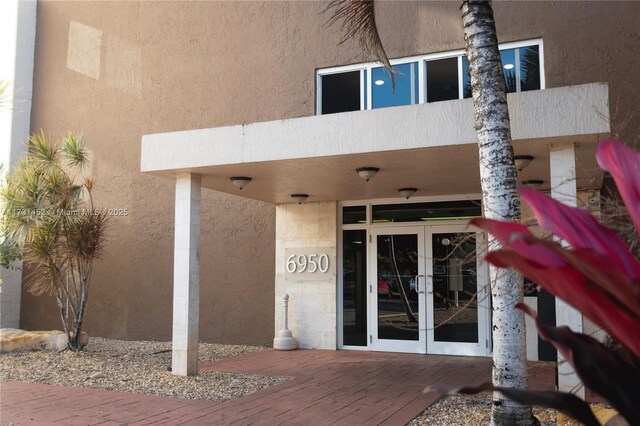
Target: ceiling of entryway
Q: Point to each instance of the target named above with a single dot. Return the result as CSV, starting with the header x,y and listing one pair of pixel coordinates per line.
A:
x,y
430,147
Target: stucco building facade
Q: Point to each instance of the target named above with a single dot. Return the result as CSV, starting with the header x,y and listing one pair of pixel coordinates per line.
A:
x,y
256,80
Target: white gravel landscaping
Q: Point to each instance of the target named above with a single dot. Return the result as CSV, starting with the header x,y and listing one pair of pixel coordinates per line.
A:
x,y
469,410
137,367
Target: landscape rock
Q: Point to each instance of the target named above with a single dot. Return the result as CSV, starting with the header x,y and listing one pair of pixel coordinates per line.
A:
x,y
16,340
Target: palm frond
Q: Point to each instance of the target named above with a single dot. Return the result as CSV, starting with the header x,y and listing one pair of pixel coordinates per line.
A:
x,y
88,183
359,20
85,239
75,151
43,275
71,199
41,149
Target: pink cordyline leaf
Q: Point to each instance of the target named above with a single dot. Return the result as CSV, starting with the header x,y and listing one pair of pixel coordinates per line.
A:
x,y
596,267
517,237
599,270
624,165
573,287
580,229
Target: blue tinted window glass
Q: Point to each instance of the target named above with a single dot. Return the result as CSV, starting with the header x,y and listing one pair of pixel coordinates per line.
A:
x,y
466,78
529,68
508,58
406,90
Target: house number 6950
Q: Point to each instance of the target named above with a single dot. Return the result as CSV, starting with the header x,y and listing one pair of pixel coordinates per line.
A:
x,y
307,263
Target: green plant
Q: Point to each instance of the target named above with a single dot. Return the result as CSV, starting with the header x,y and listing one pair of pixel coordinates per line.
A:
x,y
53,220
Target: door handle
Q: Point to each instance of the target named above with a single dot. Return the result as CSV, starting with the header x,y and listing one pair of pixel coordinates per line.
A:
x,y
417,288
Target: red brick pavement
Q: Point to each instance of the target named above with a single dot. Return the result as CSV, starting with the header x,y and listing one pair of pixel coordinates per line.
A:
x,y
326,388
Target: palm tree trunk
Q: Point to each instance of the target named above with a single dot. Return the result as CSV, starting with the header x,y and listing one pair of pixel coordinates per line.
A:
x,y
500,201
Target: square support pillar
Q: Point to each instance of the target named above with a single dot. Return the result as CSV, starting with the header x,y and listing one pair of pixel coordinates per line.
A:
x,y
186,276
562,160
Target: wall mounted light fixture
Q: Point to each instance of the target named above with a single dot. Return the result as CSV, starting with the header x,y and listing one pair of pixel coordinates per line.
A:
x,y
522,161
407,192
241,181
300,198
367,173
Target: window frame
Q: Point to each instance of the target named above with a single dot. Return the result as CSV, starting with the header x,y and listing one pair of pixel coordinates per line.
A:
x,y
422,60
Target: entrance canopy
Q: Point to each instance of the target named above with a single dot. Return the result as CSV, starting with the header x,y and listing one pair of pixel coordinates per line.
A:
x,y
428,146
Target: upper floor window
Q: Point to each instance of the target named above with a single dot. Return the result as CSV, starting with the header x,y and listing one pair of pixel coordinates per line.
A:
x,y
521,68
406,86
341,92
428,78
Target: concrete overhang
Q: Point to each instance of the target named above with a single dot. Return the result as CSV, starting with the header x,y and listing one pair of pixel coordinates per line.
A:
x,y
429,146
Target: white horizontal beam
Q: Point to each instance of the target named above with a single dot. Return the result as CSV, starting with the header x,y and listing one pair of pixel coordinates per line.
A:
x,y
550,113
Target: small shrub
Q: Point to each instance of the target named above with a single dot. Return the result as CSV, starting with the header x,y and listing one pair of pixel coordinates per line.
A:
x,y
52,219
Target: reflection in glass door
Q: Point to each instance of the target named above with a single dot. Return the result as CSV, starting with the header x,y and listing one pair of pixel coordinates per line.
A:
x,y
457,298
397,292
354,288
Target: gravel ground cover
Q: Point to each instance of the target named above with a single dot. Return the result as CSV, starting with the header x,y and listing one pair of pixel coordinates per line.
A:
x,y
469,410
137,367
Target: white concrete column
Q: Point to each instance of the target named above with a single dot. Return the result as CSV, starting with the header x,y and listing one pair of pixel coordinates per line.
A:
x,y
562,160
186,276
18,37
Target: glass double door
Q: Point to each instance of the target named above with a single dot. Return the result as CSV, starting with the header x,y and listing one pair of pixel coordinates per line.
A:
x,y
428,291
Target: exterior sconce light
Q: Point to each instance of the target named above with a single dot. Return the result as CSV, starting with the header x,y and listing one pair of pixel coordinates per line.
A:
x,y
241,181
407,192
535,183
522,161
300,198
367,173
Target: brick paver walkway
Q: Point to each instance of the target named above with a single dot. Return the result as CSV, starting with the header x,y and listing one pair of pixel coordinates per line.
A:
x,y
327,388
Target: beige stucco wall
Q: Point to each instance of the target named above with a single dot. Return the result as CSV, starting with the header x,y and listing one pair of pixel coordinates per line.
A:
x,y
118,70
302,229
